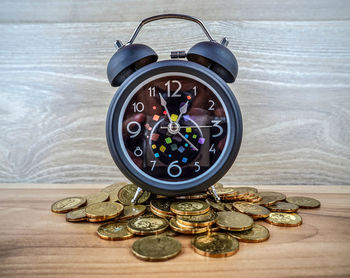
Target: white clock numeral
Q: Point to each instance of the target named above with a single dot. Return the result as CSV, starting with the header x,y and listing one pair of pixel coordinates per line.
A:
x,y
173,165
216,124
154,164
195,90
212,149
176,91
198,166
212,104
152,91
138,107
138,151
136,132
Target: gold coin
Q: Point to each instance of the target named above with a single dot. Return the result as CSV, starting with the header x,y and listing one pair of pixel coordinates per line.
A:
x,y
201,220
258,233
216,205
156,248
284,219
127,192
76,215
253,210
283,207
169,232
132,211
114,231
226,191
147,225
183,229
189,207
114,187
97,197
216,245
160,214
234,221
218,185
68,204
103,211
270,198
304,202
162,206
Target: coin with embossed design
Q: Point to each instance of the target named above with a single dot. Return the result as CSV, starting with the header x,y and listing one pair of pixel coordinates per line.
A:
x,y
184,229
156,248
114,231
283,207
253,210
103,211
234,221
147,225
284,219
127,192
215,245
189,207
96,197
76,215
68,204
132,211
258,233
201,220
304,202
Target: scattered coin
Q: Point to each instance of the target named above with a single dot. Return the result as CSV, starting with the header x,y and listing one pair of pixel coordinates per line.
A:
x,y
156,248
258,233
234,221
169,232
226,192
103,211
97,197
189,207
246,189
283,207
201,220
284,219
68,204
114,231
270,198
183,229
215,245
77,215
304,202
161,206
132,211
147,225
218,206
253,210
127,192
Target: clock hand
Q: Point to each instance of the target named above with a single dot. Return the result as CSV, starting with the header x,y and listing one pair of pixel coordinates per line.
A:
x,y
163,103
183,110
188,141
191,126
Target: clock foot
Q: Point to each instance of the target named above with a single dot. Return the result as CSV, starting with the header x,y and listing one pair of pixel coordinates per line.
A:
x,y
137,195
213,192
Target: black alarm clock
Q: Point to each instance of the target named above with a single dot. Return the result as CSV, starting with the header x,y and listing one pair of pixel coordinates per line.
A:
x,y
173,127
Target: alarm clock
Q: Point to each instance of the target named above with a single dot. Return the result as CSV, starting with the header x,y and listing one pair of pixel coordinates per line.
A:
x,y
173,127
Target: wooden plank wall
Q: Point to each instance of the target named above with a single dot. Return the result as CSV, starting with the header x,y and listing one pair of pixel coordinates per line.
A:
x,y
293,84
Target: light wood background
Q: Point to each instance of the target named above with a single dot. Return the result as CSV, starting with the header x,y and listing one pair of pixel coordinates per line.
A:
x,y
34,242
293,84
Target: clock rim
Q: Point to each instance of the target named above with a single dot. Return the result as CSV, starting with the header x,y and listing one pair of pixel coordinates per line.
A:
x,y
192,185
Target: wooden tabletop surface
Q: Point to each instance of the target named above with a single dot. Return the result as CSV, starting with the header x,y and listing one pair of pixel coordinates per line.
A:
x,y
36,242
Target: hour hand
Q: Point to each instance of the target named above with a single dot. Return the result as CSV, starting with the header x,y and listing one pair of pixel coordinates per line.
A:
x,y
164,103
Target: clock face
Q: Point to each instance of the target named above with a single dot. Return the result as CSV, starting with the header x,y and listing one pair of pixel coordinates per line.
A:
x,y
173,127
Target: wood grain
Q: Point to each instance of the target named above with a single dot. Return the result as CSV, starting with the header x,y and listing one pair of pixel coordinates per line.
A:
x,y
35,242
293,88
122,10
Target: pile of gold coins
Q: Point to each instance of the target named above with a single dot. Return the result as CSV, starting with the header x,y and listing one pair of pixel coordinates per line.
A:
x,y
218,226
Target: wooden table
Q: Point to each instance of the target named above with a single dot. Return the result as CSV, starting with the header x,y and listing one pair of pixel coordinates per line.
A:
x,y
36,242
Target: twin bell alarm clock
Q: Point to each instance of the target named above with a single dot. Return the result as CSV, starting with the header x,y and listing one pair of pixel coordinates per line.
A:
x,y
173,127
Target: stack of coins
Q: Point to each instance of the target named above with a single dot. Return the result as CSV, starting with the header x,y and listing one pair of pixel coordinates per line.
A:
x,y
216,227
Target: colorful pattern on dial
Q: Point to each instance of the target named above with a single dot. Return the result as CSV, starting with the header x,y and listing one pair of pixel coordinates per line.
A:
x,y
174,128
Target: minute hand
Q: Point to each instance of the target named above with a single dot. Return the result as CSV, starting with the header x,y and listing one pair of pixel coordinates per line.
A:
x,y
163,103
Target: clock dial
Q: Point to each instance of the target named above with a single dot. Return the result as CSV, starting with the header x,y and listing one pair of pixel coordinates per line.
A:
x,y
174,128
